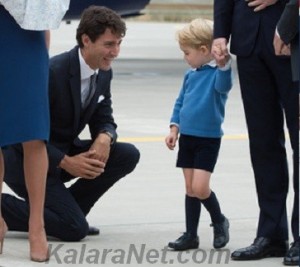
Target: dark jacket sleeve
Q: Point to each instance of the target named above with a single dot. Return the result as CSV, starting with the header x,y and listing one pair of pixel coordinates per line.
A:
x,y
55,156
288,24
223,16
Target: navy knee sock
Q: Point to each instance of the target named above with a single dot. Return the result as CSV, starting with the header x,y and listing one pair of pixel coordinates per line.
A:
x,y
212,205
192,214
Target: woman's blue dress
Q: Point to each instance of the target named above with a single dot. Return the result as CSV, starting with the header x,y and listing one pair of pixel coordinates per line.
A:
x,y
24,61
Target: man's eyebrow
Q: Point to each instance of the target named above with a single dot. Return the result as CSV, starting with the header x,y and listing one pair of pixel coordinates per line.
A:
x,y
113,42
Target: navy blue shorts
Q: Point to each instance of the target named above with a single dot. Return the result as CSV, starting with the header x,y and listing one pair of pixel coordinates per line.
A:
x,y
198,152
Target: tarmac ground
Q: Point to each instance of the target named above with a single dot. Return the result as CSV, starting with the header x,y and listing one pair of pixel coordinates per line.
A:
x,y
145,210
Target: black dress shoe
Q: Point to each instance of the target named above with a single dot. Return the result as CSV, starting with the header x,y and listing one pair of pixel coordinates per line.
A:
x,y
291,258
93,231
262,247
221,233
186,241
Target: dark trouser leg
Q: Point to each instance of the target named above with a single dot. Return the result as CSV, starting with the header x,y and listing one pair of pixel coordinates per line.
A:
x,y
63,220
192,214
291,105
122,160
63,217
295,214
261,87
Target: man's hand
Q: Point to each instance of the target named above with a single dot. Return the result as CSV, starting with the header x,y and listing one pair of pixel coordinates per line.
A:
x,y
260,4
83,165
219,51
281,49
102,147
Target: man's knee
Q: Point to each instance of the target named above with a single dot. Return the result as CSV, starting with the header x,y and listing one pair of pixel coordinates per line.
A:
x,y
124,157
72,232
132,157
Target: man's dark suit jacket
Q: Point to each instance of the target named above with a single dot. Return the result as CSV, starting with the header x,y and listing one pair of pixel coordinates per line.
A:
x,y
251,37
288,29
68,118
232,18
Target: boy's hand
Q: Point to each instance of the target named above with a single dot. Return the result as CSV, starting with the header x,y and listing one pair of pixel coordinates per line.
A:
x,y
171,139
220,52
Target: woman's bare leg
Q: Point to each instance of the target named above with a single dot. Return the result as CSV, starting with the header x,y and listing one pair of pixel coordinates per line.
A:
x,y
35,170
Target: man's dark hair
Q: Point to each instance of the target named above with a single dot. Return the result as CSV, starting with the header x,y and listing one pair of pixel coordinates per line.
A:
x,y
95,20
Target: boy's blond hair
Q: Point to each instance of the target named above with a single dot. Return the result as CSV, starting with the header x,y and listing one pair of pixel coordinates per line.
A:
x,y
197,33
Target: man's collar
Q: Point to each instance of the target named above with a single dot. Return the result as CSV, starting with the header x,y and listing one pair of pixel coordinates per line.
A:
x,y
85,69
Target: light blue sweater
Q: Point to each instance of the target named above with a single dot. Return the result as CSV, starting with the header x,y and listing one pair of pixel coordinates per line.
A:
x,y
200,107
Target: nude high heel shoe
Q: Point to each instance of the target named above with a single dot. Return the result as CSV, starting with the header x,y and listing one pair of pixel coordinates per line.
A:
x,y
3,230
40,259
39,251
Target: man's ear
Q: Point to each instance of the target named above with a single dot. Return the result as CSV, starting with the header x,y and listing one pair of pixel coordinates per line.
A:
x,y
85,40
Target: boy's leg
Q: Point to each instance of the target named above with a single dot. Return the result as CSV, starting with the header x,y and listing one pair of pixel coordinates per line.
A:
x,y
201,189
190,238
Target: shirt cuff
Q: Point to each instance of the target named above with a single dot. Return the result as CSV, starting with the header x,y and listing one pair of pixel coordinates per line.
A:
x,y
277,33
227,65
174,124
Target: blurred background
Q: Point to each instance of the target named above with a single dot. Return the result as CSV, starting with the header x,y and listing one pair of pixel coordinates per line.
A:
x,y
177,10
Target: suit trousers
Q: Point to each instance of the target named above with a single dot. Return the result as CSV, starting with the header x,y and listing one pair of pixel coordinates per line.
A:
x,y
65,207
269,96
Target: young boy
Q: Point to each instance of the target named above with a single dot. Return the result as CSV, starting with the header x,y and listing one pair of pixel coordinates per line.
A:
x,y
197,115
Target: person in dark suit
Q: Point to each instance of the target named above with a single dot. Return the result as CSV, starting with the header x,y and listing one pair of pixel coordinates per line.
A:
x,y
286,38
286,41
79,95
269,96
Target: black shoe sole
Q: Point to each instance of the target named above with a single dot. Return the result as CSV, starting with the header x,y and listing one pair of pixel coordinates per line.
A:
x,y
268,254
223,245
181,248
291,263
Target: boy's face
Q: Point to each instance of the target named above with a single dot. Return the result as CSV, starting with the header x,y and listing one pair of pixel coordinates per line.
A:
x,y
101,53
196,57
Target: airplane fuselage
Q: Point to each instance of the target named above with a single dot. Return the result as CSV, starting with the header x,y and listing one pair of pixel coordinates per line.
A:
x,y
124,7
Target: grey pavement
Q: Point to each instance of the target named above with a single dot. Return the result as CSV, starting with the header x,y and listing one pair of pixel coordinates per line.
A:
x,y
145,210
